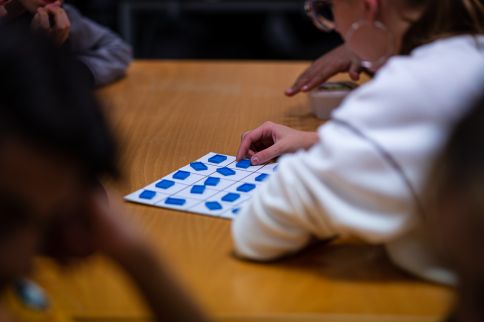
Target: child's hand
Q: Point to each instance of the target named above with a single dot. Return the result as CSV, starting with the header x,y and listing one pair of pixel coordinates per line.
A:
x,y
336,61
53,20
271,140
3,11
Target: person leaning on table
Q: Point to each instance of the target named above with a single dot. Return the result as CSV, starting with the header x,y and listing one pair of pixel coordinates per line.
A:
x,y
362,173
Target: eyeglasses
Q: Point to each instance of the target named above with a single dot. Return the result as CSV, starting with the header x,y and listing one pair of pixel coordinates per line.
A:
x,y
321,13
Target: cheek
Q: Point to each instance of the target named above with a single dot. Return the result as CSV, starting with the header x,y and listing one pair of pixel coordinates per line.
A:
x,y
342,24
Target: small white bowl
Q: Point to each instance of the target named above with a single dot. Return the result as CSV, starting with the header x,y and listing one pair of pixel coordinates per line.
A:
x,y
328,96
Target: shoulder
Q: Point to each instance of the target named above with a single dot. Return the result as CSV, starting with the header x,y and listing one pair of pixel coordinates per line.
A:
x,y
72,11
79,23
434,82
445,62
84,33
468,46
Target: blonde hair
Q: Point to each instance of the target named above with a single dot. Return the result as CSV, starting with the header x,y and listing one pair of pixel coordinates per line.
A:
x,y
442,19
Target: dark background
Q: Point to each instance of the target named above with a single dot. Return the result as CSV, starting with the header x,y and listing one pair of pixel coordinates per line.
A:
x,y
213,29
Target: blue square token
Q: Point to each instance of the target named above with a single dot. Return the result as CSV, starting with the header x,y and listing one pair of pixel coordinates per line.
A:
x,y
231,197
147,194
217,159
243,164
181,175
212,181
175,201
198,190
198,166
165,184
261,177
226,171
246,187
213,205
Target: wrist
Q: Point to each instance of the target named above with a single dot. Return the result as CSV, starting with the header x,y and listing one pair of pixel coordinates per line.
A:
x,y
311,138
137,260
128,252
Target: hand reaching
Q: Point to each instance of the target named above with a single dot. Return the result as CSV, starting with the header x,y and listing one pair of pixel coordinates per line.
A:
x,y
271,140
336,61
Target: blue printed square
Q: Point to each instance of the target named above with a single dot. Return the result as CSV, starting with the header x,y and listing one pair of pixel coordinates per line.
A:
x,y
262,177
226,171
212,181
231,197
175,201
198,190
198,166
181,175
217,159
246,187
243,164
147,194
165,184
213,205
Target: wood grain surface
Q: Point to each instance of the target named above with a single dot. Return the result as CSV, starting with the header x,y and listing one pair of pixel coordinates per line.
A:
x,y
170,113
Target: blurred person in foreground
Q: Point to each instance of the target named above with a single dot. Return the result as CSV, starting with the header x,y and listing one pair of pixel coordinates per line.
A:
x,y
55,148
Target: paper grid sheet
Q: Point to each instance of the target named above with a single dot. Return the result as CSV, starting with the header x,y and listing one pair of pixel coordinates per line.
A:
x,y
214,185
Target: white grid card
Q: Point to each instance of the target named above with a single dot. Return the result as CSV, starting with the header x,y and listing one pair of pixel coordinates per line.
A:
x,y
214,185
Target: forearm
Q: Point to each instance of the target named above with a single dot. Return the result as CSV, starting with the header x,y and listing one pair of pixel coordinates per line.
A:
x,y
282,216
164,296
107,64
310,139
342,186
105,54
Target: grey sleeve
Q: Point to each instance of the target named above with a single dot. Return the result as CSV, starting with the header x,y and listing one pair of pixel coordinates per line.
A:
x,y
104,53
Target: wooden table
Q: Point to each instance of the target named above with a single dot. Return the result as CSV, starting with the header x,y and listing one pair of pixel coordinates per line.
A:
x,y
170,113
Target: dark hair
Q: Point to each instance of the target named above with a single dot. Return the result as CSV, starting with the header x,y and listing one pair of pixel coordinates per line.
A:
x,y
460,168
441,19
45,99
455,198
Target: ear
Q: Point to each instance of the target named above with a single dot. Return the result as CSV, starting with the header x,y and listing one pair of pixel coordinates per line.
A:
x,y
371,9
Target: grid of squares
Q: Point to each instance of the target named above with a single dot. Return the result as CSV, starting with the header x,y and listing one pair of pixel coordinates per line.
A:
x,y
214,185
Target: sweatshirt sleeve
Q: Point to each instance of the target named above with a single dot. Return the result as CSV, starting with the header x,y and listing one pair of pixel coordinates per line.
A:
x,y
325,193
104,53
364,177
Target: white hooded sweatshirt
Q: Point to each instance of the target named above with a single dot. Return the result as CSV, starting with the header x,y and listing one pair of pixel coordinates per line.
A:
x,y
364,178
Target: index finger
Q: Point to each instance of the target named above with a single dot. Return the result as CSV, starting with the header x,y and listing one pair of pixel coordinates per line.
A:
x,y
42,18
299,83
248,139
60,16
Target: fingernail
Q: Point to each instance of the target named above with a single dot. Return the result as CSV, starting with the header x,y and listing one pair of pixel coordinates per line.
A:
x,y
254,161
